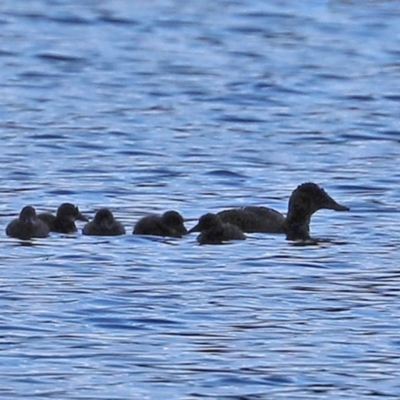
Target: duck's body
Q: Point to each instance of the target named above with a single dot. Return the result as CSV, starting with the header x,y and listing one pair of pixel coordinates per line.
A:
x,y
64,220
170,224
305,200
103,224
255,219
27,225
214,231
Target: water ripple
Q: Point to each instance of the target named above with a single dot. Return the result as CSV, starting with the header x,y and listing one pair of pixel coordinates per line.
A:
x,y
199,107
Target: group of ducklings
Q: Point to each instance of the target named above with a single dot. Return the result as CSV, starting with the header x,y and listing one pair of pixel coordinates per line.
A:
x,y
218,228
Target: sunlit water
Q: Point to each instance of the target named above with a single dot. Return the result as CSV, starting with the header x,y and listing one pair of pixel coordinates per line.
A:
x,y
199,106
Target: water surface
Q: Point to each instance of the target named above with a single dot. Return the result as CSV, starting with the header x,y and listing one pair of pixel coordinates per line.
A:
x,y
149,106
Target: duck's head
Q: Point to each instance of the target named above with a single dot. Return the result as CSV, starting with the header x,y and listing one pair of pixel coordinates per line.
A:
x,y
70,212
27,215
309,198
104,218
207,221
174,220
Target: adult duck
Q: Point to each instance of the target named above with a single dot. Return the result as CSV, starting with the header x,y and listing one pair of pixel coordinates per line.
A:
x,y
27,225
170,224
214,231
305,200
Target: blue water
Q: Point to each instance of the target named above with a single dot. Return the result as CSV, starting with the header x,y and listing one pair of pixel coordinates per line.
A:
x,y
198,106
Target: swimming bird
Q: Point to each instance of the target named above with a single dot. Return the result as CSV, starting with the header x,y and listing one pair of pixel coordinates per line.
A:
x,y
27,225
214,231
170,224
103,224
64,220
305,200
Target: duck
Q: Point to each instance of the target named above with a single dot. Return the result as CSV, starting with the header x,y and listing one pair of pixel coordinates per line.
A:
x,y
64,220
27,225
169,224
214,231
103,224
304,201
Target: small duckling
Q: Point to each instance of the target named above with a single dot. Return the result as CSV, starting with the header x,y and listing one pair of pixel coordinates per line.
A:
x,y
64,220
170,224
214,231
27,225
103,224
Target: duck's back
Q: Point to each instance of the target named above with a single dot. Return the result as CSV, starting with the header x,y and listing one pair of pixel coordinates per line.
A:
x,y
94,229
21,230
63,225
48,219
254,219
153,225
58,224
221,234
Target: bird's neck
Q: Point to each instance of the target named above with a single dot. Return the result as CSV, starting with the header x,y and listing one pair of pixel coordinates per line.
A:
x,y
297,224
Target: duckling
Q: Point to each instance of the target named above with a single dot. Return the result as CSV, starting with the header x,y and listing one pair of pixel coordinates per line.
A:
x,y
64,220
214,231
170,224
27,225
103,224
305,200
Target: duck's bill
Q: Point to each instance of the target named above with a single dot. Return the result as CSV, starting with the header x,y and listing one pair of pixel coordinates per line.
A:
x,y
81,217
332,205
196,228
